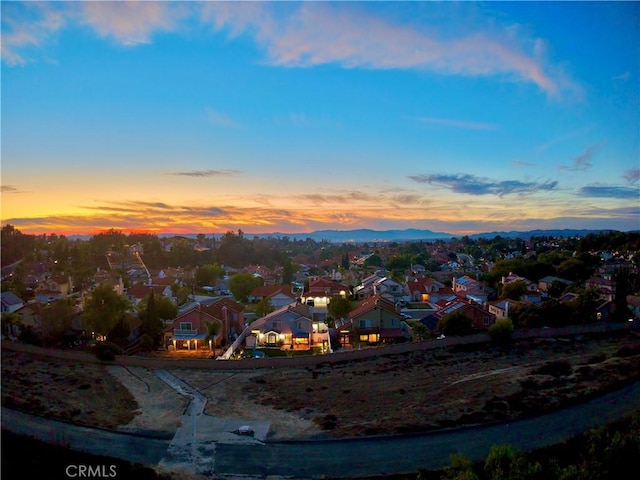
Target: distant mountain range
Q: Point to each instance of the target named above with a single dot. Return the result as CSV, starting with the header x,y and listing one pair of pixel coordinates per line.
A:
x,y
410,234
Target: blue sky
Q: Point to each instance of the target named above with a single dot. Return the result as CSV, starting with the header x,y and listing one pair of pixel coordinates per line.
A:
x,y
204,117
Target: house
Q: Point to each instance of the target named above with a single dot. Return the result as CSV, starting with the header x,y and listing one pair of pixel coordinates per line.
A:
x,y
545,283
230,313
604,310
480,318
512,277
53,288
289,328
319,293
30,317
278,295
136,293
605,288
189,330
11,302
389,289
106,277
633,302
472,289
374,320
500,308
378,284
421,289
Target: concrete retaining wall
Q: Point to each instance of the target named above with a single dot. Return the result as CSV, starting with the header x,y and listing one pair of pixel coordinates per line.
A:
x,y
314,360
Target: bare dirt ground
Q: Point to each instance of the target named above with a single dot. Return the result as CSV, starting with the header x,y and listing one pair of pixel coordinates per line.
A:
x,y
419,391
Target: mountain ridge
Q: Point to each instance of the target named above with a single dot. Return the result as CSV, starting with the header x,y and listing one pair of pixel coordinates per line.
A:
x,y
364,235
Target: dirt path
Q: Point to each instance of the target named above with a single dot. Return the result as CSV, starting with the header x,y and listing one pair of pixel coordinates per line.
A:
x,y
160,407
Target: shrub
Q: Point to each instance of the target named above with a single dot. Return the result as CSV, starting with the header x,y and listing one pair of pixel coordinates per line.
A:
x,y
146,342
501,330
107,351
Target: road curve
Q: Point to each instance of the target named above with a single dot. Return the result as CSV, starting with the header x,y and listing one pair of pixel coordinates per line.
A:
x,y
345,458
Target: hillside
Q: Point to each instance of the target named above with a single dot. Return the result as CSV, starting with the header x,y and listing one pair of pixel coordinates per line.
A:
x,y
420,391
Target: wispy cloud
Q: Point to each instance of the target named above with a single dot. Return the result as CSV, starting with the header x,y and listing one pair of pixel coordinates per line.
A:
x,y
317,33
8,189
582,162
564,137
27,25
474,185
623,77
130,22
220,119
522,163
610,191
302,34
632,175
207,173
447,122
343,198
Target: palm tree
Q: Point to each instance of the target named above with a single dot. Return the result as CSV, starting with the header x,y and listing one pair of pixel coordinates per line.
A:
x,y
213,329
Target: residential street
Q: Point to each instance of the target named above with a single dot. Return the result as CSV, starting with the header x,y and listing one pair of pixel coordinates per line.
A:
x,y
345,459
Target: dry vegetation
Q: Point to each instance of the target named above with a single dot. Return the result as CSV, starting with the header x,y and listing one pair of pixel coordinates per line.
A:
x,y
393,394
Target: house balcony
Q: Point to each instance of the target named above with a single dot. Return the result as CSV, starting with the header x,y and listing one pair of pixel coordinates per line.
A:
x,y
179,332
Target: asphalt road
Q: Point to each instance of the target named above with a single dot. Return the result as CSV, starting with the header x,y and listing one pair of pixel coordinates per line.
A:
x,y
347,459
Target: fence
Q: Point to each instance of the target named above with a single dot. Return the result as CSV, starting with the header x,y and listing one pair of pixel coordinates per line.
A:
x,y
315,360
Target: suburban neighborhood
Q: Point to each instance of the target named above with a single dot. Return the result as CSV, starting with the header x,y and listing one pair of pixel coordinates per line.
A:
x,y
234,297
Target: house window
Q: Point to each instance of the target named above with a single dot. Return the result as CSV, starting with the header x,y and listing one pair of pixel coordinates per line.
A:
x,y
486,320
394,323
299,324
365,323
277,323
185,326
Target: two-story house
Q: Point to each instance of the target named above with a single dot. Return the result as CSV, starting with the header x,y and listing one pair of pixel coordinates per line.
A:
x,y
319,293
278,295
471,288
480,317
53,288
136,293
189,330
288,328
231,315
421,289
374,320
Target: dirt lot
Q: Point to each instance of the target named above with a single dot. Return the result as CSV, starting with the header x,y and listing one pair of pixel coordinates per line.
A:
x,y
391,394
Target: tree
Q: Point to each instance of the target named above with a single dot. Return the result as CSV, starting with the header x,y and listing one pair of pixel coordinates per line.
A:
x,y
621,310
152,325
241,285
213,329
263,307
209,274
505,463
455,323
461,468
55,319
338,307
104,309
514,290
287,271
373,261
419,331
153,311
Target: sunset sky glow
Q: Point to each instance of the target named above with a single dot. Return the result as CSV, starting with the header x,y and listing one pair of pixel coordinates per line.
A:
x,y
205,117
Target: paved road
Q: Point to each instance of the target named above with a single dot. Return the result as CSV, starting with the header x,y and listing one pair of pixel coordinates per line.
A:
x,y
347,458
431,451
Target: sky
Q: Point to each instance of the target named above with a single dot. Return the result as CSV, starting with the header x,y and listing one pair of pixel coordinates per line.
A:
x,y
287,117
